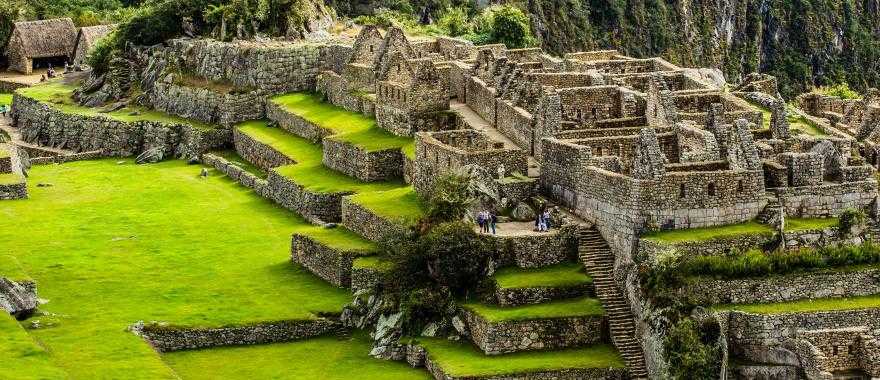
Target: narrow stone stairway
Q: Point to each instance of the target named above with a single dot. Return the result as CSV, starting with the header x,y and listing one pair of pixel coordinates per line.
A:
x,y
770,211
596,255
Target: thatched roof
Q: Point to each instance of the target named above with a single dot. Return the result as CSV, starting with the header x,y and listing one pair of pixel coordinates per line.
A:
x,y
44,38
88,35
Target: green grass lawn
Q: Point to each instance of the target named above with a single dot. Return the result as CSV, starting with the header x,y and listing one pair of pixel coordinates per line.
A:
x,y
6,99
375,262
326,358
402,205
795,121
23,358
110,245
308,171
3,151
58,94
576,307
708,233
461,359
347,126
11,269
800,224
554,276
804,306
10,178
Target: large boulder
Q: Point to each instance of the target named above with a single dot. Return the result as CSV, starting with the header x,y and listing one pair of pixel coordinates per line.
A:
x,y
523,212
19,299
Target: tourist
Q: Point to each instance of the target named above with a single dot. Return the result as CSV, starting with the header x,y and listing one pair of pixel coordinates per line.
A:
x,y
480,220
493,220
42,78
51,72
486,221
546,218
3,109
538,221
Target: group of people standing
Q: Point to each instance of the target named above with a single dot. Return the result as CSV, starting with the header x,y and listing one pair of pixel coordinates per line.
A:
x,y
487,220
542,221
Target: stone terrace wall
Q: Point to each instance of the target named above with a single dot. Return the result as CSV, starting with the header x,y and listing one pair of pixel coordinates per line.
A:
x,y
481,99
508,297
168,339
366,223
295,124
749,336
516,124
538,334
826,200
357,162
784,288
562,374
273,67
538,250
236,173
649,250
339,93
331,264
319,207
257,153
46,125
206,105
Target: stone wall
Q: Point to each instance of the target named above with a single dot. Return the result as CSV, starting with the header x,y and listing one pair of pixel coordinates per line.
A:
x,y
70,157
366,223
257,153
295,124
236,173
509,297
45,125
318,207
275,67
495,338
784,288
206,105
650,250
825,200
481,98
516,124
172,338
339,93
538,249
331,264
354,161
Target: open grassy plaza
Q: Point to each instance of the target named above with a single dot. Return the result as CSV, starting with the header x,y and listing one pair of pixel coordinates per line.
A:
x,y
117,243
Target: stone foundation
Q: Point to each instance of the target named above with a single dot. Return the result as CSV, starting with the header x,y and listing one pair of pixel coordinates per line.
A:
x,y
326,262
168,339
13,191
364,278
365,223
509,297
324,207
364,165
561,374
206,105
538,250
495,338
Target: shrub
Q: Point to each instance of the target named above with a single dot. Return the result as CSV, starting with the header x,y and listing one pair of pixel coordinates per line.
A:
x,y
450,198
504,24
850,218
454,22
840,90
692,350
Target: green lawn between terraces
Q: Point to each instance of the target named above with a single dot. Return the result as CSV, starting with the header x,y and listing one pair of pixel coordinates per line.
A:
x,y
23,358
348,126
575,307
804,306
402,205
59,95
112,244
461,359
553,276
796,122
308,171
708,233
800,224
6,99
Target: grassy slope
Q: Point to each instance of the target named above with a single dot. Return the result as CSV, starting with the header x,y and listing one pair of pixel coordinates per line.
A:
x,y
5,99
557,309
309,172
58,94
799,224
561,275
326,358
349,126
699,234
400,205
11,269
462,359
822,304
232,156
115,244
23,359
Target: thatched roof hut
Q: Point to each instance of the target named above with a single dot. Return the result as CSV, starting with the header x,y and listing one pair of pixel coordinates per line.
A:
x,y
41,39
86,39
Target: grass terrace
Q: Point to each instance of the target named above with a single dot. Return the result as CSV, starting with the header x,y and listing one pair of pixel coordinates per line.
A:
x,y
796,122
374,262
554,276
59,94
10,178
805,306
3,151
308,171
461,359
400,205
11,269
5,99
802,224
327,358
348,126
707,233
232,156
24,358
113,244
577,307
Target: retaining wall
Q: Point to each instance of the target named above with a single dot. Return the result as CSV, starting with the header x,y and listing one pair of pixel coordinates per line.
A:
x,y
168,339
331,264
357,162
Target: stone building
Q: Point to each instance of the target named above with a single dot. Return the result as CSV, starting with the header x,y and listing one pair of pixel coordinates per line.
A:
x,y
38,44
86,39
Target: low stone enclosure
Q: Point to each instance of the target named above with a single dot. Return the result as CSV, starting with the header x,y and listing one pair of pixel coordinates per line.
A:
x,y
630,146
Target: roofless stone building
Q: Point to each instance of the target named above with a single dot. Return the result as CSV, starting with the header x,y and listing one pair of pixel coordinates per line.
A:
x,y
40,43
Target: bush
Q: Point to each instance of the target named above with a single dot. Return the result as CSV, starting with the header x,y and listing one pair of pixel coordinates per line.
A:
x,y
848,219
840,90
450,198
505,24
454,22
692,350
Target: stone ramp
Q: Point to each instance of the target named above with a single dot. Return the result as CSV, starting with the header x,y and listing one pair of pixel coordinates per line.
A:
x,y
477,122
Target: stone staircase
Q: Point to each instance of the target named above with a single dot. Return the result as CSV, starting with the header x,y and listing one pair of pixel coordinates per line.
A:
x,y
770,211
596,255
